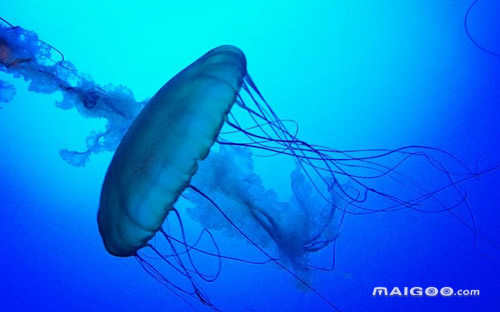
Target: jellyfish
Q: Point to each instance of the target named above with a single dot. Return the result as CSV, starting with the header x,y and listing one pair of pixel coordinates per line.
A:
x,y
196,140
24,55
149,172
176,147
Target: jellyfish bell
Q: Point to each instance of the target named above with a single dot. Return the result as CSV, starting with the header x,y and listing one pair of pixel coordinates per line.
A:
x,y
159,153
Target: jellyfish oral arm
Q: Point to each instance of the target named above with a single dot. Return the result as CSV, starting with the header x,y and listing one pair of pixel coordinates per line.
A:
x,y
264,252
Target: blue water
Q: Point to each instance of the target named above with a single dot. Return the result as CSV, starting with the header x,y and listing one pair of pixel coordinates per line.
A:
x,y
354,75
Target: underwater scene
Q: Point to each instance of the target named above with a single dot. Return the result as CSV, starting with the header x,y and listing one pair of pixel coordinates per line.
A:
x,y
260,156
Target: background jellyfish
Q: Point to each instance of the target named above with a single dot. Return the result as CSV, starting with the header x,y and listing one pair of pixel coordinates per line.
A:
x,y
341,175
25,56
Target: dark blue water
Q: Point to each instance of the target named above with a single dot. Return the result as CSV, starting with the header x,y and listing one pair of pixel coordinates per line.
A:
x,y
354,76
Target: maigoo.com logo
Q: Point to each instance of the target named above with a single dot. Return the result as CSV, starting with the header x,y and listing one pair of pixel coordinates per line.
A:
x,y
430,291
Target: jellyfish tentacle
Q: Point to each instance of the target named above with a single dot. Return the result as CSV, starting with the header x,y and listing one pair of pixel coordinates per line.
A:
x,y
469,35
158,276
217,254
196,290
203,276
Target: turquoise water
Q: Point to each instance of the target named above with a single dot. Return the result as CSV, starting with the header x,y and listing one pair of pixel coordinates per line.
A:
x,y
354,76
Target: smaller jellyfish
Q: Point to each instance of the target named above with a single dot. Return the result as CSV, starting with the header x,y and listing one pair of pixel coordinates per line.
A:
x,y
24,55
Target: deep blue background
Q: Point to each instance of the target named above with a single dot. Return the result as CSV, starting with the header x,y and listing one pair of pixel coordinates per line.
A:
x,y
354,75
